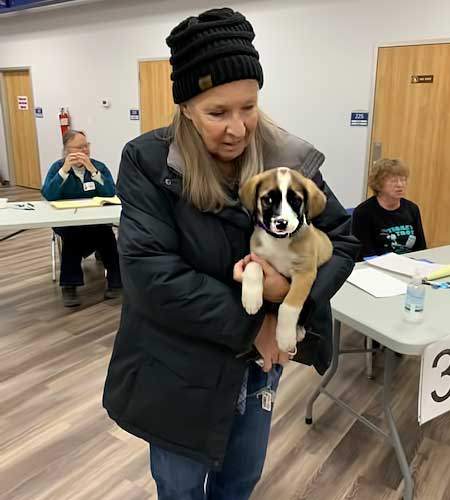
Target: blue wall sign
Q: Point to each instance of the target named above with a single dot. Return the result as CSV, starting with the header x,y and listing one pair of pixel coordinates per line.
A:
x,y
134,114
359,119
38,113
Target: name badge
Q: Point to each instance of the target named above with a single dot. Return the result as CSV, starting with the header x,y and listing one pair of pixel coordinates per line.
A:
x,y
89,186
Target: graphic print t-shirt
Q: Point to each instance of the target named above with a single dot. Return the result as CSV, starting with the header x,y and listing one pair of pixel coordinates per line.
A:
x,y
382,231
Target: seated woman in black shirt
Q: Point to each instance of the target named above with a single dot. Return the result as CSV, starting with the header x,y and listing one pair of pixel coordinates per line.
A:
x,y
387,222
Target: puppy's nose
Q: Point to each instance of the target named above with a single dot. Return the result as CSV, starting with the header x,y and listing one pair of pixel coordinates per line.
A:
x,y
281,224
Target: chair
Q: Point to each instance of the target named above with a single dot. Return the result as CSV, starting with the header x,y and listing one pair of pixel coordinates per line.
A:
x,y
55,243
369,342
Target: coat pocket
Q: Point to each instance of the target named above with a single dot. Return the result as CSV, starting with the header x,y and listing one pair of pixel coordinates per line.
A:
x,y
170,407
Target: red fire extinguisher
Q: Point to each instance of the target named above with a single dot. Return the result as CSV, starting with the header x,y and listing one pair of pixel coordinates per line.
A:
x,y
64,120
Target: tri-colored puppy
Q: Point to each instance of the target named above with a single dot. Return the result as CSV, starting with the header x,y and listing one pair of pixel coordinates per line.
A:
x,y
283,202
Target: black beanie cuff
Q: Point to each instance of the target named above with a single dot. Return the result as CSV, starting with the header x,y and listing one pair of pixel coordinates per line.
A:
x,y
219,72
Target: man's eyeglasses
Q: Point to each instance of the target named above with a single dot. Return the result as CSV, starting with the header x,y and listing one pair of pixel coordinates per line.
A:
x,y
80,148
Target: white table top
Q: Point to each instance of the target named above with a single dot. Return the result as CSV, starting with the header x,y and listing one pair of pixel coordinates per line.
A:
x,y
44,215
382,318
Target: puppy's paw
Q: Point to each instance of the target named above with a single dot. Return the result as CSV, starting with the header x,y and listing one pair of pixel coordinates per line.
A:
x,y
252,288
252,299
286,331
286,339
300,333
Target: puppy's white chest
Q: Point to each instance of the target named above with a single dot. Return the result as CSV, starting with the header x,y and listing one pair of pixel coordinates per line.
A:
x,y
275,251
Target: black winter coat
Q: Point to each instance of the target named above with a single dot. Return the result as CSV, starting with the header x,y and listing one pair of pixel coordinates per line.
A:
x,y
175,371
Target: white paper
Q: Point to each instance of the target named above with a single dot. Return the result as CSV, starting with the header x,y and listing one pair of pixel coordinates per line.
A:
x,y
377,283
434,390
403,265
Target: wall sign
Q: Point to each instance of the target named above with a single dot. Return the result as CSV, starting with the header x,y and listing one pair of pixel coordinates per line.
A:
x,y
38,113
422,78
22,102
134,114
359,119
434,390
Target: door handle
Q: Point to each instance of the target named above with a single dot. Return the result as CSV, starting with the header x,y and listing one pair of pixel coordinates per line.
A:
x,y
376,152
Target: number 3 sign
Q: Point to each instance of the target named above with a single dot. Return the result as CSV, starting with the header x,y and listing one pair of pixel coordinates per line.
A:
x,y
434,391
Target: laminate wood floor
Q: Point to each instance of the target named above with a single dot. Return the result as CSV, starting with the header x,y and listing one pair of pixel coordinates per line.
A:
x,y
57,443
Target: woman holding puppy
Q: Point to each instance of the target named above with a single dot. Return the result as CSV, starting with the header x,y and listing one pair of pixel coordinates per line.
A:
x,y
182,374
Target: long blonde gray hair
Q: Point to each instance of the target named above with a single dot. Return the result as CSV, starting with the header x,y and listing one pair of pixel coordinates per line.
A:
x,y
205,185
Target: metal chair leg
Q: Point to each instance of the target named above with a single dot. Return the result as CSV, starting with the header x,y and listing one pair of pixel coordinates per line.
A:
x,y
53,244
369,358
59,245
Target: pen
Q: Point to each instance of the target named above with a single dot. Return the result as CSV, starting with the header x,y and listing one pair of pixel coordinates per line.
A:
x,y
442,284
22,206
433,285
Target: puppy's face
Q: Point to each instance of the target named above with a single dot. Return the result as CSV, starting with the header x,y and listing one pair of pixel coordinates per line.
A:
x,y
280,206
280,199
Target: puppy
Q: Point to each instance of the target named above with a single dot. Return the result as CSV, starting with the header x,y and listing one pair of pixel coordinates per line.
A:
x,y
283,202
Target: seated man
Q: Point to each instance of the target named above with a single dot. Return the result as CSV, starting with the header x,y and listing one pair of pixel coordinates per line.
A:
x,y
77,175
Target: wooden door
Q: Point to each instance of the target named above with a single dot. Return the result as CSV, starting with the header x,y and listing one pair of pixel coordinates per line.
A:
x,y
21,129
157,106
411,122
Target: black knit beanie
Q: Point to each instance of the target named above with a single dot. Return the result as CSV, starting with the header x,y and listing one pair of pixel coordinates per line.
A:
x,y
212,49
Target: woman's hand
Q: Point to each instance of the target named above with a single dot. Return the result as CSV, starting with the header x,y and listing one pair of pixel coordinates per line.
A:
x,y
267,346
275,287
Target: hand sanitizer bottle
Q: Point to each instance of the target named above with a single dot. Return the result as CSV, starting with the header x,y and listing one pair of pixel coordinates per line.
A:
x,y
415,299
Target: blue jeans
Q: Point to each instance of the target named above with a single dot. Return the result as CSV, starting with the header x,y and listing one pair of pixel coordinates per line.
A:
x,y
181,478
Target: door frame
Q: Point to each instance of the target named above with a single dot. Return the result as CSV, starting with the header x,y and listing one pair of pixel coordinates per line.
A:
x,y
6,124
378,46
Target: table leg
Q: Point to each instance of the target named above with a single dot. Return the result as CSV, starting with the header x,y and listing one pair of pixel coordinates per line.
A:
x,y
329,374
394,437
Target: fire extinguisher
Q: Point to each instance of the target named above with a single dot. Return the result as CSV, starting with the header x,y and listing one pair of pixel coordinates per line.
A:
x,y
64,120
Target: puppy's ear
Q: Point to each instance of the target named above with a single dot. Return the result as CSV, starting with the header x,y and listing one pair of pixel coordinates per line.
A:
x,y
248,193
316,199
313,198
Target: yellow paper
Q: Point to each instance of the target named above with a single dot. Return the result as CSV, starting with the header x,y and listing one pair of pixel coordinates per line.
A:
x,y
440,273
96,201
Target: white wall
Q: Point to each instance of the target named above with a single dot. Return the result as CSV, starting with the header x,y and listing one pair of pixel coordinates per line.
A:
x,y
317,57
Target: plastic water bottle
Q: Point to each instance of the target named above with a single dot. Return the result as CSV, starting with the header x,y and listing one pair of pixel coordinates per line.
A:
x,y
415,299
